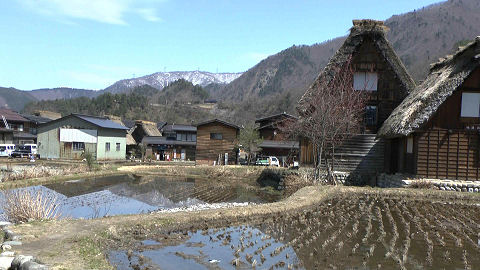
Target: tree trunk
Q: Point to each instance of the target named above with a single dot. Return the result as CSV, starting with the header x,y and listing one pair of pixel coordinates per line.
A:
x,y
318,164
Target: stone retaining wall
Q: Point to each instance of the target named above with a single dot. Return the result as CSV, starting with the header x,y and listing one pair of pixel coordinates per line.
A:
x,y
8,259
398,181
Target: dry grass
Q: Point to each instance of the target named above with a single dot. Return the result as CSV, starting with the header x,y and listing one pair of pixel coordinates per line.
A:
x,y
42,171
25,205
422,184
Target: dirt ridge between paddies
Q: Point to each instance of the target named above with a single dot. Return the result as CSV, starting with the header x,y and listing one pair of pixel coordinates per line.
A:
x,y
82,244
56,178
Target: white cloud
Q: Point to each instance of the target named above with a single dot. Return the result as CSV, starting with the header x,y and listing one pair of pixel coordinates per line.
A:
x,y
104,11
148,14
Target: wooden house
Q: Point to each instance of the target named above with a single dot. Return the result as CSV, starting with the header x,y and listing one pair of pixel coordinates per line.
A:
x,y
6,136
274,142
22,127
144,128
435,131
35,121
178,142
216,142
381,75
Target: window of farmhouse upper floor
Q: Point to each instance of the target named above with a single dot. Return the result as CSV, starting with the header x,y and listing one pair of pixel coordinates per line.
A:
x,y
367,81
470,105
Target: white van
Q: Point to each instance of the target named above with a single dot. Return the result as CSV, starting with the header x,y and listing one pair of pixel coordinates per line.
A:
x,y
33,148
6,150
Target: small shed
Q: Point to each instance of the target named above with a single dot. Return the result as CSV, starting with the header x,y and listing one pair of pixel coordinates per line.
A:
x,y
435,131
71,136
216,142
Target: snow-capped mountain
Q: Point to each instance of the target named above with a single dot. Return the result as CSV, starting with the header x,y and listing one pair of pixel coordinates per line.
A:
x,y
160,80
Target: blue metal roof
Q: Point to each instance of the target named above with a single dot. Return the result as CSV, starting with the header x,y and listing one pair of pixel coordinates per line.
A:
x,y
101,121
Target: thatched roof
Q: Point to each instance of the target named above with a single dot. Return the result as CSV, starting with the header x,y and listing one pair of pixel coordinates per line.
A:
x,y
374,30
444,78
130,139
149,128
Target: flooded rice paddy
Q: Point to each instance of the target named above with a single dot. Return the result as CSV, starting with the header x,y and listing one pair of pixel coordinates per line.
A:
x,y
127,194
347,232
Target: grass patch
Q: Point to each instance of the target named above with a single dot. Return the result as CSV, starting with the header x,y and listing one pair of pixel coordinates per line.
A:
x,y
55,179
421,184
91,250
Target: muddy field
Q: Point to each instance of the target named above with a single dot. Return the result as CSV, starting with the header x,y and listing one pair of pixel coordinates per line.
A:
x,y
369,231
318,227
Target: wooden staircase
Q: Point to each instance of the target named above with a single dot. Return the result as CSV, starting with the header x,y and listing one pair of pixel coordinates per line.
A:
x,y
360,153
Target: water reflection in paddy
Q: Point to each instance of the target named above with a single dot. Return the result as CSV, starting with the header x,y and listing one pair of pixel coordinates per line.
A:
x,y
127,194
240,247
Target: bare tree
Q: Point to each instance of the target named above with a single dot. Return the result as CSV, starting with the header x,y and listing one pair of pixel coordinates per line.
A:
x,y
249,141
333,112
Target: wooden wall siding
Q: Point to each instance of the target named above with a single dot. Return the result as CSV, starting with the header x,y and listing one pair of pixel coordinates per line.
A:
x,y
306,152
208,150
448,155
390,91
267,133
67,152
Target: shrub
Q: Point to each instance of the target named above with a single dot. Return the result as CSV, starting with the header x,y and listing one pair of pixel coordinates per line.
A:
x,y
24,205
89,159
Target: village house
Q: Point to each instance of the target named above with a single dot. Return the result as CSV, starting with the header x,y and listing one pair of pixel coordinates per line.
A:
x,y
70,136
216,143
6,136
145,128
274,141
21,126
434,132
35,121
381,75
177,143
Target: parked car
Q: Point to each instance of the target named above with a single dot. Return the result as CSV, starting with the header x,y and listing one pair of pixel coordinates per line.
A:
x,y
268,161
26,150
6,150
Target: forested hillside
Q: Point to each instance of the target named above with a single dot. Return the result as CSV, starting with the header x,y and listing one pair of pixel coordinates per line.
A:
x,y
419,37
144,102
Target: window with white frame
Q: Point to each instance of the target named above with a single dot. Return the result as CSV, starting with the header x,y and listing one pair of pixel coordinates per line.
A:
x,y
107,147
118,147
470,105
367,81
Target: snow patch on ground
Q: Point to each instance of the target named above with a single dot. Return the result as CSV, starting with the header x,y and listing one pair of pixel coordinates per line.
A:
x,y
203,206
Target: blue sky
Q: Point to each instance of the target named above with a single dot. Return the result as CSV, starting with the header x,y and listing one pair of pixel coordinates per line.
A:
x,y
93,43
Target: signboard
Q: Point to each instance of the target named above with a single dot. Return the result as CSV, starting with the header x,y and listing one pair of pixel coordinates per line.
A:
x,y
78,135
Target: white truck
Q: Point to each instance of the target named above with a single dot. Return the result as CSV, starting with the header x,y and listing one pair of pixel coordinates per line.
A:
x,y
268,161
